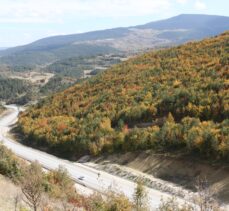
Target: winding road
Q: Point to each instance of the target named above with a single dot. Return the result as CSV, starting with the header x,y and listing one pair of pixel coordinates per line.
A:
x,y
81,174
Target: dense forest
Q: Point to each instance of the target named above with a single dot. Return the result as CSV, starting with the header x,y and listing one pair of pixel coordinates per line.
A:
x,y
173,99
12,88
55,84
19,91
75,66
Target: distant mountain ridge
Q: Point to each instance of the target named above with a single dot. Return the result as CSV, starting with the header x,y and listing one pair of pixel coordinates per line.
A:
x,y
2,48
189,21
168,32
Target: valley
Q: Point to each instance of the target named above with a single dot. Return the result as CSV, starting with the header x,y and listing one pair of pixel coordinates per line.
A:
x,y
122,110
42,81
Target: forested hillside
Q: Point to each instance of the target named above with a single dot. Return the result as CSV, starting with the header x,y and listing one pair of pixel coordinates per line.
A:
x,y
166,100
56,84
12,88
75,67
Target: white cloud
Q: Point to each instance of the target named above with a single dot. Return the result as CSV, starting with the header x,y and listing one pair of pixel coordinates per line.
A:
x,y
182,1
200,5
57,10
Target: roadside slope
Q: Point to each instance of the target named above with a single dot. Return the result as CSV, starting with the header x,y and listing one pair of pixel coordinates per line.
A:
x,y
178,170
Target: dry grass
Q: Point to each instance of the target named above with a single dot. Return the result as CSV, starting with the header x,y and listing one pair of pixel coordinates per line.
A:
x,y
9,194
11,197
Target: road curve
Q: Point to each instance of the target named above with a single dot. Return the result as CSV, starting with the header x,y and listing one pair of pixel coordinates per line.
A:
x,y
93,179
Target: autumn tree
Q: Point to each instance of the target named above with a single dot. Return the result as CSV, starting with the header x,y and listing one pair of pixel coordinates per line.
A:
x,y
59,184
204,198
140,197
32,185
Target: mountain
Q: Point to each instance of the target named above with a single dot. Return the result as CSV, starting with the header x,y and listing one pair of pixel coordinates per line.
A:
x,y
2,48
171,99
172,31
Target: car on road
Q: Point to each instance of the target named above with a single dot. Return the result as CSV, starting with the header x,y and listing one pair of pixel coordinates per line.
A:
x,y
81,178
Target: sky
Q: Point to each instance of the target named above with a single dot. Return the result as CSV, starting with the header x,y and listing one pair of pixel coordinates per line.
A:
x,y
24,21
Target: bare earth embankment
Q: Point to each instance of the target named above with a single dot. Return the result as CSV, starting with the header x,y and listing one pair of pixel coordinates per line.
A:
x,y
168,173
